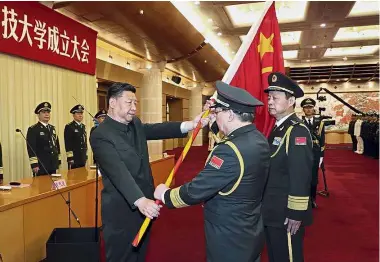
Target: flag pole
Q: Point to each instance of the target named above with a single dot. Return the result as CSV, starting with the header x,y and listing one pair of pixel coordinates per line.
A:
x,y
234,66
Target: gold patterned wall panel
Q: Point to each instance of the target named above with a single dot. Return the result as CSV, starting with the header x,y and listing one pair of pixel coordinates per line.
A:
x,y
23,85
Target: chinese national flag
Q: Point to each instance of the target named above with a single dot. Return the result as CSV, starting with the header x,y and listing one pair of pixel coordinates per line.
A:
x,y
259,55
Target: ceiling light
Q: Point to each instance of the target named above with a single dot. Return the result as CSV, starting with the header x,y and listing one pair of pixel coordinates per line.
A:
x,y
351,51
219,33
338,80
323,25
359,79
365,8
205,61
308,60
357,33
317,80
314,46
248,14
141,12
197,2
345,58
195,18
292,54
290,38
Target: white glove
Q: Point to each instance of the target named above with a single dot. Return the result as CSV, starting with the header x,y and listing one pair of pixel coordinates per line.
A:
x,y
320,161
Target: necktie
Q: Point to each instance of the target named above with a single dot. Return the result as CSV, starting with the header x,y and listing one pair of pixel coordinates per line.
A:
x,y
309,122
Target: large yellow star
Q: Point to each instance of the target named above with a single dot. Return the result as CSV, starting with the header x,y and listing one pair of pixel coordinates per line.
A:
x,y
265,45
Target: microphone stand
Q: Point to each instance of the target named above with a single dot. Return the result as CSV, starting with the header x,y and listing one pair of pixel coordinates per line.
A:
x,y
49,175
69,203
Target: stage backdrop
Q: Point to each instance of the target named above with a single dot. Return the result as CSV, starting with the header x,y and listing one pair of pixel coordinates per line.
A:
x,y
363,101
33,71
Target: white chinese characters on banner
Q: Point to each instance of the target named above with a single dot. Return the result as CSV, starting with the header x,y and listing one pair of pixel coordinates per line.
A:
x,y
58,42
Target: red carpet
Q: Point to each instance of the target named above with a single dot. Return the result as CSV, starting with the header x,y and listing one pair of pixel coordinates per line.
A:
x,y
345,229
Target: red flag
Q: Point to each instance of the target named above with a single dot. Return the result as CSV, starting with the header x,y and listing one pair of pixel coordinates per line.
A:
x,y
259,55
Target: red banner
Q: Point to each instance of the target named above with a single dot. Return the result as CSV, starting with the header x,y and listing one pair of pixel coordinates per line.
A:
x,y
262,56
36,32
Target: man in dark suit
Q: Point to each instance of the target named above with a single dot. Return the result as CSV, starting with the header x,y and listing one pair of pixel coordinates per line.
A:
x,y
317,130
43,148
286,203
76,139
120,148
231,183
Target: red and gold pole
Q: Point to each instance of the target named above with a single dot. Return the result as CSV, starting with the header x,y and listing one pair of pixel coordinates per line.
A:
x,y
169,180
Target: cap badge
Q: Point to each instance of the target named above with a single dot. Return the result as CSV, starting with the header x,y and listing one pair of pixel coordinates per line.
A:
x,y
46,104
274,78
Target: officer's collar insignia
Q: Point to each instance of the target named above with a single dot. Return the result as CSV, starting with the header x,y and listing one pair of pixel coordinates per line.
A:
x,y
274,78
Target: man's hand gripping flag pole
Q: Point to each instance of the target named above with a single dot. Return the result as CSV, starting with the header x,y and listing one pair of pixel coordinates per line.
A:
x,y
169,180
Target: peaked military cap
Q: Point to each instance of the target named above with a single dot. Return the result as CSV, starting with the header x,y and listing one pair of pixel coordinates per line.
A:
x,y
101,113
42,106
235,98
77,109
308,102
280,82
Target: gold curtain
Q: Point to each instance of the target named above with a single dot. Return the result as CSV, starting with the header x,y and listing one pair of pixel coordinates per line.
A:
x,y
23,85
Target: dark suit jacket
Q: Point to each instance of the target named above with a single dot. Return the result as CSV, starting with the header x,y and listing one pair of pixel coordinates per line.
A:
x,y
126,174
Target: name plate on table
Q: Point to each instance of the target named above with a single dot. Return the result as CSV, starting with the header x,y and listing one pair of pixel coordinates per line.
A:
x,y
60,183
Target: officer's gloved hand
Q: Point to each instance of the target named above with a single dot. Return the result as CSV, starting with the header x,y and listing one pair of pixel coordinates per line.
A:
x,y
320,161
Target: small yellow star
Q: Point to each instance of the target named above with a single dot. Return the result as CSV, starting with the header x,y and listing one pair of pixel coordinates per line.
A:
x,y
265,45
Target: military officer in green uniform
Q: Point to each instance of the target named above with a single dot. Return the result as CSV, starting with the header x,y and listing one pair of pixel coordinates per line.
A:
x,y
98,119
232,182
120,148
76,139
317,130
43,143
286,202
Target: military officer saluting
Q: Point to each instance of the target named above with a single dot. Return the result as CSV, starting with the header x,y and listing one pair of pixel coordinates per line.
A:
x,y
286,205
76,139
43,143
317,131
231,183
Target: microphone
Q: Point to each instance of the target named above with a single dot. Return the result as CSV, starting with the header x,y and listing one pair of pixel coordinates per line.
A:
x,y
49,175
